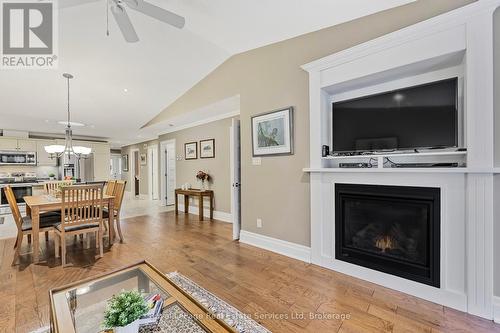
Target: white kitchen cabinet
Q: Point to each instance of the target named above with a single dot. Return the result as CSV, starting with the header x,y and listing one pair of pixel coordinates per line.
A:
x,y
43,158
26,145
17,144
8,143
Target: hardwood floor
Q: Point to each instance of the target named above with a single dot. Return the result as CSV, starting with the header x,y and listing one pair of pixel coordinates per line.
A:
x,y
265,285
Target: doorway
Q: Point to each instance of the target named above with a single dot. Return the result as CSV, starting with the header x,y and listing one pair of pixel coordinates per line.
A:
x,y
135,171
153,172
116,166
168,172
235,169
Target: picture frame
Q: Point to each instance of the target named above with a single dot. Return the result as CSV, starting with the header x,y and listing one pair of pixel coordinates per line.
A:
x,y
207,148
191,150
272,133
125,163
144,159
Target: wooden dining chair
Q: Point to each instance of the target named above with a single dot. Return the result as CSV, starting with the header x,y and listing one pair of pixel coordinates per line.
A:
x,y
52,187
110,187
119,192
81,213
23,223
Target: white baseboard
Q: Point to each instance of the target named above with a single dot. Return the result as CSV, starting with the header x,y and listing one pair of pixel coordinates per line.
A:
x,y
292,250
496,309
219,216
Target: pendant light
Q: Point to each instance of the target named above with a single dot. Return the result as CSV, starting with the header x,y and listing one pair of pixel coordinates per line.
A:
x,y
68,149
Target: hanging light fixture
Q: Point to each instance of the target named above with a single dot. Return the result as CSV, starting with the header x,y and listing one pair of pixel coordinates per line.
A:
x,y
68,149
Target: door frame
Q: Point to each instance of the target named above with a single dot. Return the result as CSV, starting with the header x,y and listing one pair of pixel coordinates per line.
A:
x,y
132,170
163,170
236,220
152,172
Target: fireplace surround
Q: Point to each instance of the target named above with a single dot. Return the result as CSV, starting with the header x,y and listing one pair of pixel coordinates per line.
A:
x,y
392,229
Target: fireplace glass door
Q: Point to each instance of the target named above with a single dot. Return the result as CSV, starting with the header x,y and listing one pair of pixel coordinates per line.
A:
x,y
393,229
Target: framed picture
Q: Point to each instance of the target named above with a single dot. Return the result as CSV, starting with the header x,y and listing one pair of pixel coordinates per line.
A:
x,y
125,162
272,133
144,159
207,148
191,150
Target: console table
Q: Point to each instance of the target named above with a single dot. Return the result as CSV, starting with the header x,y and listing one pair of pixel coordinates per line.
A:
x,y
195,193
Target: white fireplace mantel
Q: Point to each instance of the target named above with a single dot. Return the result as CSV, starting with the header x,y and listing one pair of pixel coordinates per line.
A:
x,y
458,43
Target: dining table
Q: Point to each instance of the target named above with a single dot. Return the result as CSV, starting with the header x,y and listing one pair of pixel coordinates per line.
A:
x,y
36,204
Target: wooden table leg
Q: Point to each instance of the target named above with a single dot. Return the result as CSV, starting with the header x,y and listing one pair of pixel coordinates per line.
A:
x,y
111,221
200,207
211,207
35,225
186,203
28,211
176,204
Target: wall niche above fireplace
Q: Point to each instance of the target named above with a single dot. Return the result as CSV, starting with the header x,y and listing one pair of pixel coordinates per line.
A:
x,y
392,229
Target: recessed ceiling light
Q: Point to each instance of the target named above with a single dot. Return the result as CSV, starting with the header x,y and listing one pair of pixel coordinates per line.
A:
x,y
72,123
47,121
125,90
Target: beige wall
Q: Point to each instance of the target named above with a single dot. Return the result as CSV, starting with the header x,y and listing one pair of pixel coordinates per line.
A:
x,y
143,169
217,168
269,78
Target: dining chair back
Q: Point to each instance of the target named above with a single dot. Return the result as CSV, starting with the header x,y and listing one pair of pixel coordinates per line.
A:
x,y
52,187
119,193
110,187
11,199
81,213
47,221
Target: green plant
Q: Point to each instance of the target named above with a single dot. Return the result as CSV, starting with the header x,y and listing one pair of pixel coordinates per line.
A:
x,y
51,175
124,308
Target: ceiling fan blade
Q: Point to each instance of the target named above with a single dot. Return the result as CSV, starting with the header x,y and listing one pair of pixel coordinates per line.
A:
x,y
157,12
124,23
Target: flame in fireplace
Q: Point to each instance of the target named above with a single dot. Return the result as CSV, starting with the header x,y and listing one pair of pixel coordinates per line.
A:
x,y
385,243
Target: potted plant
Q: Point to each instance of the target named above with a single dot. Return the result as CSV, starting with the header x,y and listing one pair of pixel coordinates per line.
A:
x,y
203,176
52,176
124,310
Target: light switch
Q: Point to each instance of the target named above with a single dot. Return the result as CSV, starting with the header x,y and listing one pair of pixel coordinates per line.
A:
x,y
256,161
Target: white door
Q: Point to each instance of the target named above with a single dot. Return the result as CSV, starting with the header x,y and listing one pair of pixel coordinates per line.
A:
x,y
235,165
116,167
153,172
170,173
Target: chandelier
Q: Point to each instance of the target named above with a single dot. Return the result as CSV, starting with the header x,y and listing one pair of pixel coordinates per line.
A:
x,y
68,149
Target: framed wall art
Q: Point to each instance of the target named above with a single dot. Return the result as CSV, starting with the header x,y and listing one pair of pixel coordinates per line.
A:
x,y
272,133
191,150
207,148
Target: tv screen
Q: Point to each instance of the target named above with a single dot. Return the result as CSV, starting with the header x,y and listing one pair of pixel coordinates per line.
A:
x,y
424,116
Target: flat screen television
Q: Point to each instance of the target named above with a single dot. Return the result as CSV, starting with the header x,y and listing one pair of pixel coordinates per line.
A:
x,y
423,116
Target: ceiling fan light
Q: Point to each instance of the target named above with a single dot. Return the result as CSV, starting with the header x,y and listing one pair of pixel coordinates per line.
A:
x,y
54,149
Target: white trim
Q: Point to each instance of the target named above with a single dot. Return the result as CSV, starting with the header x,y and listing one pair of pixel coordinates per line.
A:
x,y
163,147
219,216
292,250
152,167
496,309
201,122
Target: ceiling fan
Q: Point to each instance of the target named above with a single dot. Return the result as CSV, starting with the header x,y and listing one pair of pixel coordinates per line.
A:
x,y
120,14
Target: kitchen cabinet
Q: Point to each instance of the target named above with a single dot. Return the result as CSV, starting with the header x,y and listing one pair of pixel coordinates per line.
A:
x,y
43,158
26,145
8,144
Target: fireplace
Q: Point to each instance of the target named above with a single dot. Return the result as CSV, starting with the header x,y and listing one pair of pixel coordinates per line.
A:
x,y
392,229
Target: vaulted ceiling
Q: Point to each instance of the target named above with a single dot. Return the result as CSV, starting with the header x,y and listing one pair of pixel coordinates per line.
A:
x,y
118,86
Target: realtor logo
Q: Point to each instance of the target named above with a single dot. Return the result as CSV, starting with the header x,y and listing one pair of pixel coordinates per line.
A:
x,y
28,34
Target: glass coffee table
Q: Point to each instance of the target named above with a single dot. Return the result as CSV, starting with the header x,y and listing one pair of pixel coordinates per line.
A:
x,y
79,307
